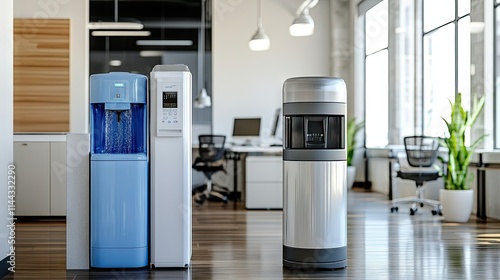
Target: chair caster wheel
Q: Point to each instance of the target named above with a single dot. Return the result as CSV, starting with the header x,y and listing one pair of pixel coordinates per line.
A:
x,y
421,204
436,212
200,200
413,211
394,209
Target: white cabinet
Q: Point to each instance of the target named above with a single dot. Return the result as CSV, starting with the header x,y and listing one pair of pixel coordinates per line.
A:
x,y
40,178
264,182
58,179
32,179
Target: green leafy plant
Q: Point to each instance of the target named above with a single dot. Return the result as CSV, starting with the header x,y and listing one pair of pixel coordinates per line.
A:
x,y
459,155
352,129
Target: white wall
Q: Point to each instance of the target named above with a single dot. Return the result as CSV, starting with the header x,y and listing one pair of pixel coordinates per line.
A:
x,y
6,114
249,84
77,12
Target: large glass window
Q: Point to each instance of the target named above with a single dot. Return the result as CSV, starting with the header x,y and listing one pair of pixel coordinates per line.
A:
x,y
389,72
446,60
403,120
414,65
464,60
377,109
463,7
439,77
376,75
437,13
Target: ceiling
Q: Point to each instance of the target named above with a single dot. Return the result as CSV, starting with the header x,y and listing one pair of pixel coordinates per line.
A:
x,y
165,19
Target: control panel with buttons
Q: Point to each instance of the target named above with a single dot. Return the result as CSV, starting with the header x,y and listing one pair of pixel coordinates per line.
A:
x,y
169,106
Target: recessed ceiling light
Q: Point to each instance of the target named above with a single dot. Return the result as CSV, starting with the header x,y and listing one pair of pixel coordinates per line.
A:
x,y
121,33
150,53
164,42
115,25
115,62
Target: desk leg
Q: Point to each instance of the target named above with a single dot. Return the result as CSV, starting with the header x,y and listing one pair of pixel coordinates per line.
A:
x,y
481,194
235,178
390,179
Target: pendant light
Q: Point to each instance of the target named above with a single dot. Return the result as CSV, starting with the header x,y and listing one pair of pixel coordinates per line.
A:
x,y
303,24
203,99
260,40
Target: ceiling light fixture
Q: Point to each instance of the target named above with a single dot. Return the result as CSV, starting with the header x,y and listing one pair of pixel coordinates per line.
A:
x,y
164,42
115,25
203,99
115,62
260,41
151,53
303,24
121,33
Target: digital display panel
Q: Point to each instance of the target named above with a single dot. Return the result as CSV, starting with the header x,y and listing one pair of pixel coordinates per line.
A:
x,y
169,99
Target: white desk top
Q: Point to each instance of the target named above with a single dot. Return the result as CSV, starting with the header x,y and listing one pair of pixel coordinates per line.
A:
x,y
256,149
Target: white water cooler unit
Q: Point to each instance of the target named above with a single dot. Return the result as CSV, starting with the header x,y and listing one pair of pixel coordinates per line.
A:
x,y
170,136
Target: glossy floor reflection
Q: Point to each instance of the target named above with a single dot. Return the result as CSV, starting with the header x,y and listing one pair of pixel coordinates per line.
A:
x,y
241,244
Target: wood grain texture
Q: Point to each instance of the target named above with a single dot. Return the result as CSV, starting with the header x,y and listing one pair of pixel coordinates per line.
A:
x,y
242,244
41,75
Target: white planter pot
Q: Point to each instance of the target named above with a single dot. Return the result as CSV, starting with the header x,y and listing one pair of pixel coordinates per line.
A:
x,y
457,204
351,174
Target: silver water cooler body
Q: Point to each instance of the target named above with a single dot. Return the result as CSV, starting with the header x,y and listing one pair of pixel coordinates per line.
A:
x,y
314,173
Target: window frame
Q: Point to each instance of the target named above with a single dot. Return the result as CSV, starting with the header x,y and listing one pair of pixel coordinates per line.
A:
x,y
496,52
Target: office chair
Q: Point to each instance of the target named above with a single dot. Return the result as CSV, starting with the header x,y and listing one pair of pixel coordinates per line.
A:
x,y
209,161
421,155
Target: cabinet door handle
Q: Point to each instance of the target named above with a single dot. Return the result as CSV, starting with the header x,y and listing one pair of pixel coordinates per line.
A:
x,y
25,144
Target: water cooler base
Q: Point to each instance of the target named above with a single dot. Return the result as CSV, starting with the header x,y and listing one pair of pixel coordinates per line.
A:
x,y
299,258
118,258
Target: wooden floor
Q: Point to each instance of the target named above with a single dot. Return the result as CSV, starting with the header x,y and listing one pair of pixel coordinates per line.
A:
x,y
241,244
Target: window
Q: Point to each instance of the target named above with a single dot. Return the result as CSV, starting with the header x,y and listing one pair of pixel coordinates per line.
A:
x,y
414,65
403,98
446,60
389,72
439,77
437,13
376,76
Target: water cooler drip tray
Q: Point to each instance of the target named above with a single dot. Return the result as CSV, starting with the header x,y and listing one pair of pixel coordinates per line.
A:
x,y
120,157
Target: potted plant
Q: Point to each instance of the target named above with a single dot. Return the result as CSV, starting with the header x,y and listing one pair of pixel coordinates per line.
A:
x,y
352,129
457,197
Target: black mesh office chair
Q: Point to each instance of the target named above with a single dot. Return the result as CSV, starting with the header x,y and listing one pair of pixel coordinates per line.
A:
x,y
421,155
210,161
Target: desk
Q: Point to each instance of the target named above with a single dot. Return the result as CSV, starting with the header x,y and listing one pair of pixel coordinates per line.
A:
x,y
486,160
236,153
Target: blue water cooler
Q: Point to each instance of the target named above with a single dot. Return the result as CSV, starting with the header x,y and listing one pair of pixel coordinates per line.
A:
x,y
118,171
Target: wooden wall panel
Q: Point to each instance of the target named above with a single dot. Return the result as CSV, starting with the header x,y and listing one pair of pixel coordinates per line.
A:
x,y
41,75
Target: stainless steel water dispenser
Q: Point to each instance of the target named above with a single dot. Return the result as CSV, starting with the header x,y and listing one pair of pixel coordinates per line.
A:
x,y
314,173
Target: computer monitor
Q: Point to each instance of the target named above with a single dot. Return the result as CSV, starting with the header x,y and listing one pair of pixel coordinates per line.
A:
x,y
246,129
